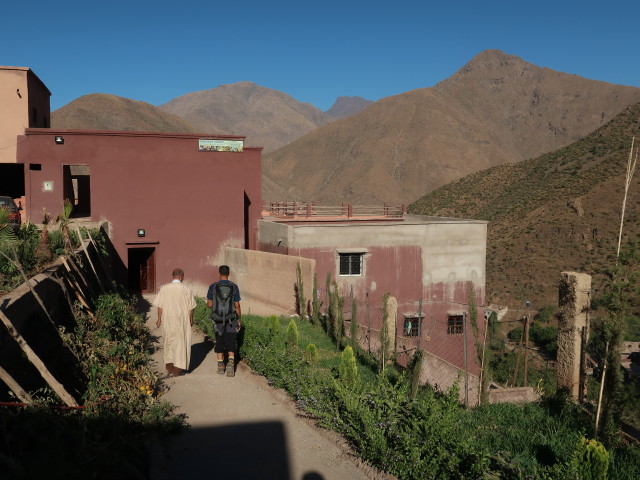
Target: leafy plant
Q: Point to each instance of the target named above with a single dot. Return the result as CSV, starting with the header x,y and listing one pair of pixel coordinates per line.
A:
x,y
348,367
292,335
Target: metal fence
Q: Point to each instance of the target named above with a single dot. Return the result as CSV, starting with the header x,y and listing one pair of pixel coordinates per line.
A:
x,y
304,210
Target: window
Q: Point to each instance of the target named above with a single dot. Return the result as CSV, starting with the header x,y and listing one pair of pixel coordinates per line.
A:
x,y
351,264
412,325
455,324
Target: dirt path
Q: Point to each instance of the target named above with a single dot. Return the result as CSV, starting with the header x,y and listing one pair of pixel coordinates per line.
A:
x,y
240,428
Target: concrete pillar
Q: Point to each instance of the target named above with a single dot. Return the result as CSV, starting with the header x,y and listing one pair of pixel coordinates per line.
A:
x,y
392,312
574,301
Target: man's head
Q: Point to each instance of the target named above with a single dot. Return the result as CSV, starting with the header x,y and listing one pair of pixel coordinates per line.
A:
x,y
224,271
178,274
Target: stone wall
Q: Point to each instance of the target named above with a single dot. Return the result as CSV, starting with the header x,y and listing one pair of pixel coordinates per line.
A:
x,y
267,281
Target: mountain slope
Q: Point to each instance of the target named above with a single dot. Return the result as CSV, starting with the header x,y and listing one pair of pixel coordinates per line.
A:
x,y
101,111
496,109
347,106
558,212
267,117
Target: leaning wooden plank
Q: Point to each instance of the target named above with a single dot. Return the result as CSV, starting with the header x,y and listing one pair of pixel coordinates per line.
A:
x,y
14,386
76,288
106,270
76,276
92,293
86,253
39,364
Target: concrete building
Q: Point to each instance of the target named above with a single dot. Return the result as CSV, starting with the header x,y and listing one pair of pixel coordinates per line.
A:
x,y
431,265
170,200
24,103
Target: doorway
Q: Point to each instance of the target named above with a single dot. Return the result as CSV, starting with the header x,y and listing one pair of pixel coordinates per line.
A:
x,y
142,269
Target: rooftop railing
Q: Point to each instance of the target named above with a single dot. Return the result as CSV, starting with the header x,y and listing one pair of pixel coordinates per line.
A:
x,y
310,211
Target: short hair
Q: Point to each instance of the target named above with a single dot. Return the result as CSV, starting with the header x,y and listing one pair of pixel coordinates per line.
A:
x,y
224,270
177,272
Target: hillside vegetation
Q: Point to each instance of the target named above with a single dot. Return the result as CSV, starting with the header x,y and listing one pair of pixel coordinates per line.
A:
x,y
558,212
496,109
100,111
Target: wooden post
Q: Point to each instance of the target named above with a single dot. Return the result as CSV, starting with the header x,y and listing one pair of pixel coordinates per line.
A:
x,y
604,371
526,350
40,366
466,371
515,372
419,322
86,253
14,386
484,344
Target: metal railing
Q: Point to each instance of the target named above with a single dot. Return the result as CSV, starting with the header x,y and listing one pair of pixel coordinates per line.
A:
x,y
305,210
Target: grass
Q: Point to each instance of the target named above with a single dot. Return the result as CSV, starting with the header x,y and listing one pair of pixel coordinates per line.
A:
x,y
431,436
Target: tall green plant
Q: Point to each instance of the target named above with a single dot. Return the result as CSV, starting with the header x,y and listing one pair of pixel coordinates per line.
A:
x,y
348,369
338,322
315,308
353,330
274,324
64,222
302,302
415,369
312,354
385,339
292,335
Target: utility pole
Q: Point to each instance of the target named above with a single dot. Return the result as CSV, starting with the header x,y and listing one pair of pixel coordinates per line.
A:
x,y
419,322
464,349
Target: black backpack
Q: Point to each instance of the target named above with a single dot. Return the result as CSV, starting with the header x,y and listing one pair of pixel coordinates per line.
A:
x,y
224,308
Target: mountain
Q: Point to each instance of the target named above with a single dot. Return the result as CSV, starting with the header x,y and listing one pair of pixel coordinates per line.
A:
x,y
557,212
267,117
347,106
494,110
100,111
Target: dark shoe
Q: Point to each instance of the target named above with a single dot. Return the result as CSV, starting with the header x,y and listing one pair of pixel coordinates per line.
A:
x,y
221,368
231,371
170,368
178,372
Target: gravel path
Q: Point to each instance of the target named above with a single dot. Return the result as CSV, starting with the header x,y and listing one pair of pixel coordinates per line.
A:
x,y
241,428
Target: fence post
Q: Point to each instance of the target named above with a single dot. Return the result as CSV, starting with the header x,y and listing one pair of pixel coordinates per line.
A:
x,y
464,349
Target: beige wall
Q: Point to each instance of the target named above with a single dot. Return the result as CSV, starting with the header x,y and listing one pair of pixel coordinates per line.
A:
x,y
267,280
20,92
14,116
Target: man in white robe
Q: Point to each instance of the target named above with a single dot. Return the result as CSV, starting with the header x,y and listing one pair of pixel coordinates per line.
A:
x,y
175,304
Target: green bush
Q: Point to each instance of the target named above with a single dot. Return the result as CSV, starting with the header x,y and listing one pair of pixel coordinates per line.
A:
x,y
591,460
348,368
312,354
292,334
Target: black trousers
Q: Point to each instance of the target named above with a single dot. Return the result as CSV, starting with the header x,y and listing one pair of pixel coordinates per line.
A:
x,y
228,341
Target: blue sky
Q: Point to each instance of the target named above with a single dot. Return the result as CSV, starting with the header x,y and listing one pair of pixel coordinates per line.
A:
x,y
313,51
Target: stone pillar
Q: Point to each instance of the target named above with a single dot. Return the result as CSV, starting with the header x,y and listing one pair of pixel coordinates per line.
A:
x,y
574,301
392,312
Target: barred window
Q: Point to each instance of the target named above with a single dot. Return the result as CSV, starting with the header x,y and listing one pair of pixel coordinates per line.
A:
x,y
412,325
455,324
351,264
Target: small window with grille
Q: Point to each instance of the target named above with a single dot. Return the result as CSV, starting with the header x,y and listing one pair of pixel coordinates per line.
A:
x,y
350,264
455,324
412,325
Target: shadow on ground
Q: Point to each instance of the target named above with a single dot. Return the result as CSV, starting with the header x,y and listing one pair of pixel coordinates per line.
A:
x,y
249,451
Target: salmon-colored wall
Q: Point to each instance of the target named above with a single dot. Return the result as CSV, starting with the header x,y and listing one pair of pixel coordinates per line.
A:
x,y
20,91
190,203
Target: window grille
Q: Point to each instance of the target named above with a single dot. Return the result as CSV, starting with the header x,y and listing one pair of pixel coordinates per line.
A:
x,y
455,324
351,264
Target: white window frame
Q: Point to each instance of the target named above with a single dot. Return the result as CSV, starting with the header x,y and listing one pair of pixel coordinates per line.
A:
x,y
361,252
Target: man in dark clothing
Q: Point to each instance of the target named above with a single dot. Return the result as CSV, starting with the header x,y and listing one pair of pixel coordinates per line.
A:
x,y
224,297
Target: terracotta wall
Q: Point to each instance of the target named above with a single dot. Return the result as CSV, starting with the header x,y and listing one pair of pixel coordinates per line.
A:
x,y
191,204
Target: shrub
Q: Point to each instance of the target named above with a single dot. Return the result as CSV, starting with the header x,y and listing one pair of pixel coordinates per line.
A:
x,y
274,325
591,460
292,334
348,368
312,353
